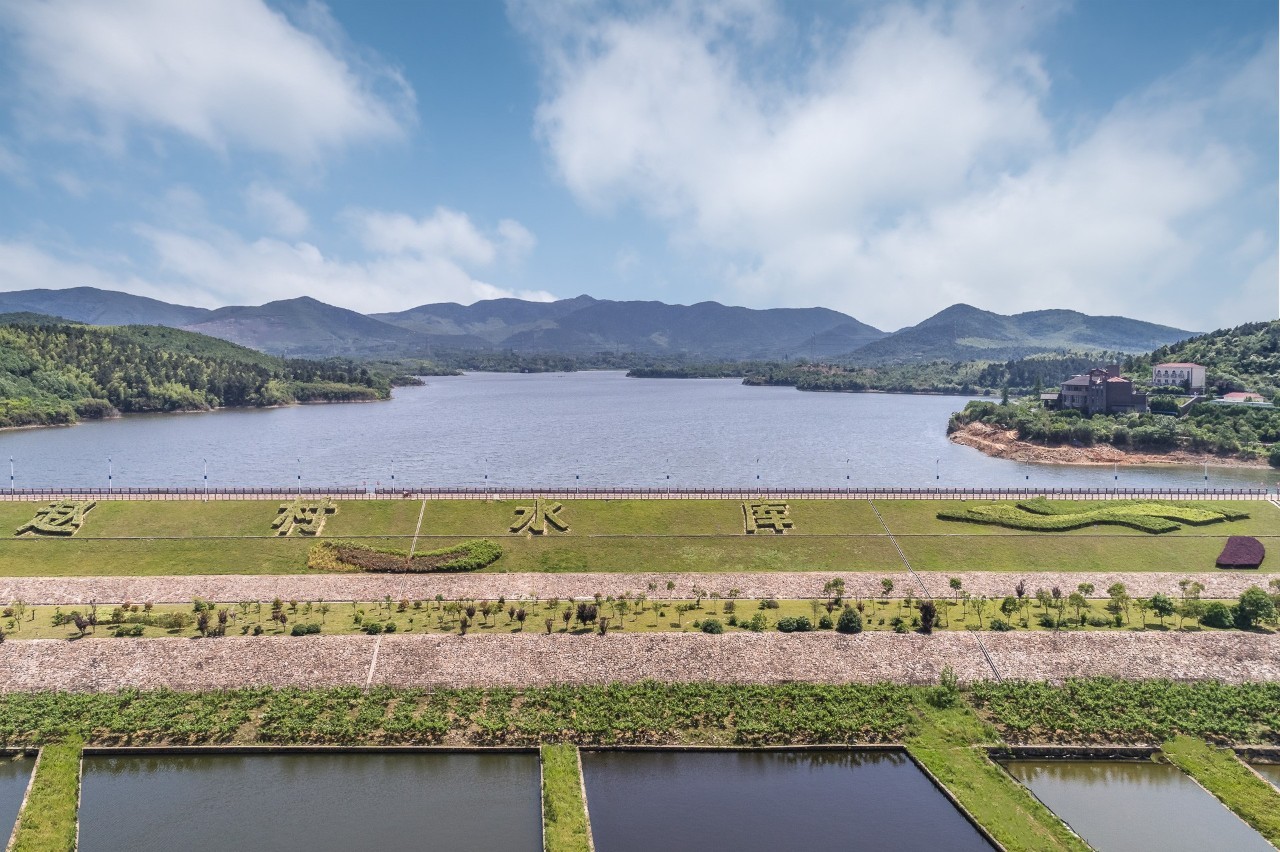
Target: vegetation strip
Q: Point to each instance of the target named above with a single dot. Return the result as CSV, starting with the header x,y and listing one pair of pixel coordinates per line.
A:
x,y
47,822
565,826
945,739
1237,786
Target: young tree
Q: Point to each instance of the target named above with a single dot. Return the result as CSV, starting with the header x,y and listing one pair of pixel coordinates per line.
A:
x,y
521,615
887,586
928,616
1162,605
955,585
1085,589
1119,600
1143,605
1254,607
1078,603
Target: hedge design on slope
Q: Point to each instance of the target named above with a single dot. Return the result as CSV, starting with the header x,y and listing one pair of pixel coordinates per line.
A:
x,y
304,517
1242,551
766,516
538,519
349,556
1042,515
63,518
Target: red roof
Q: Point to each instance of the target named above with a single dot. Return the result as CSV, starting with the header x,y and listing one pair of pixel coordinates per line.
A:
x,y
1177,364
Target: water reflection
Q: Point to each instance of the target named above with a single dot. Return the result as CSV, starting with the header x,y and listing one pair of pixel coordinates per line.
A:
x,y
311,801
765,801
14,774
1134,806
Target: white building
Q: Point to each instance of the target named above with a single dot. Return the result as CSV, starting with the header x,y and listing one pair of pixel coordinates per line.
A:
x,y
1178,375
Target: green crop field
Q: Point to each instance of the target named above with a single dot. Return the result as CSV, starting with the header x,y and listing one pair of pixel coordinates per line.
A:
x,y
192,537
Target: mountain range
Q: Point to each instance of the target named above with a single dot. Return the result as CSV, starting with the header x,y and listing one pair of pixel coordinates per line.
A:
x,y
305,327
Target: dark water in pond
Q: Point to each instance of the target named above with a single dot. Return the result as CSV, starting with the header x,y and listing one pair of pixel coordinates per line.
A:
x,y
1123,806
764,802
593,429
311,801
14,775
1270,771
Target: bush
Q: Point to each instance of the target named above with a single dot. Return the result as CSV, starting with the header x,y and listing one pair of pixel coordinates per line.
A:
x,y
1217,615
344,555
825,623
712,626
850,621
373,628
389,627
1000,625
1254,607
795,624
757,624
304,629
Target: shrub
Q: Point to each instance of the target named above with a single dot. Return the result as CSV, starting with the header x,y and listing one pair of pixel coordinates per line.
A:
x,y
1000,625
304,629
389,627
373,628
850,621
1099,621
344,555
1254,607
712,626
1216,615
944,695
795,624
825,623
758,623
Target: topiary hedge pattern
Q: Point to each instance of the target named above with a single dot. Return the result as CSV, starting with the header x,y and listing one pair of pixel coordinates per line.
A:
x,y
349,556
768,516
304,517
1041,515
538,519
63,518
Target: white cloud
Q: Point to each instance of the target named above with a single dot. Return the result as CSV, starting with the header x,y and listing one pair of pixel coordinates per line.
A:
x,y
908,162
276,211
224,72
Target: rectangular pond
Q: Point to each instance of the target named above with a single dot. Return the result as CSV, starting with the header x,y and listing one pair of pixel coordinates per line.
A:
x,y
212,803
15,772
765,801
1134,806
1269,771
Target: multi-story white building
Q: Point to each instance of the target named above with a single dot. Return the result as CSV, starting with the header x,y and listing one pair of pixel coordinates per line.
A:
x,y
1188,376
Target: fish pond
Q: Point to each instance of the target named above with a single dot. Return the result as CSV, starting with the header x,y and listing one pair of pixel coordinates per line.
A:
x,y
211,803
765,801
14,774
1135,806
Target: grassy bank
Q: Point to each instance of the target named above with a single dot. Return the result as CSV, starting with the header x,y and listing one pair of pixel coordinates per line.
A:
x,y
1235,785
235,537
564,814
948,742
47,822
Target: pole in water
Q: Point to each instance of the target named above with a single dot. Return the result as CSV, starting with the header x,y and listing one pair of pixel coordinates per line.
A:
x,y
108,473
206,479
10,473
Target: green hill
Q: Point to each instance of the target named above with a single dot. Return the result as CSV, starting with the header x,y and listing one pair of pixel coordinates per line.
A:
x,y
55,372
1244,358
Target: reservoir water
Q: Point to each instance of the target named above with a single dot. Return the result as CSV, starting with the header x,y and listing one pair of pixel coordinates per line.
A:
x,y
766,801
311,801
1132,806
14,774
590,429
1269,771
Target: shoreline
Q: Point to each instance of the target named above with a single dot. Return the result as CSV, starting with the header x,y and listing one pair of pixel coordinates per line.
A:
x,y
1004,444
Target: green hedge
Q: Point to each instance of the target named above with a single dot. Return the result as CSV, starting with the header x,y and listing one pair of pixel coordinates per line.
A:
x,y
1043,515
344,555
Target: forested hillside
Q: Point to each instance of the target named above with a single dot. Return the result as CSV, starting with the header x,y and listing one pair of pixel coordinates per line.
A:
x,y
52,372
1244,358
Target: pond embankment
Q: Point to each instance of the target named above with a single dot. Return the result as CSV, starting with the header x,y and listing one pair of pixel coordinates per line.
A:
x,y
1005,444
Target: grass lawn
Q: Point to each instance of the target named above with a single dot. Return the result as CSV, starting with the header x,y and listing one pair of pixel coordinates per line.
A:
x,y
1221,773
48,821
1063,552
944,740
191,537
564,815
656,615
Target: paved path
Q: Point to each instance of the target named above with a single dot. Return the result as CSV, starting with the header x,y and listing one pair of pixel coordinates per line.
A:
x,y
229,588
96,665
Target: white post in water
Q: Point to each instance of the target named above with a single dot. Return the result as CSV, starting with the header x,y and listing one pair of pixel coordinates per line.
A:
x,y
937,470
109,473
299,477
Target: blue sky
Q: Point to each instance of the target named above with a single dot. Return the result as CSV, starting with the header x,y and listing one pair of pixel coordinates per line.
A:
x,y
884,159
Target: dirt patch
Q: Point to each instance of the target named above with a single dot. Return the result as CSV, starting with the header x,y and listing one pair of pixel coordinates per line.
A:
x,y
1004,444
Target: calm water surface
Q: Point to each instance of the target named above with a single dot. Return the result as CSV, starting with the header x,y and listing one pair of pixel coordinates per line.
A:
x,y
14,775
591,429
311,801
764,802
1123,806
1270,771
